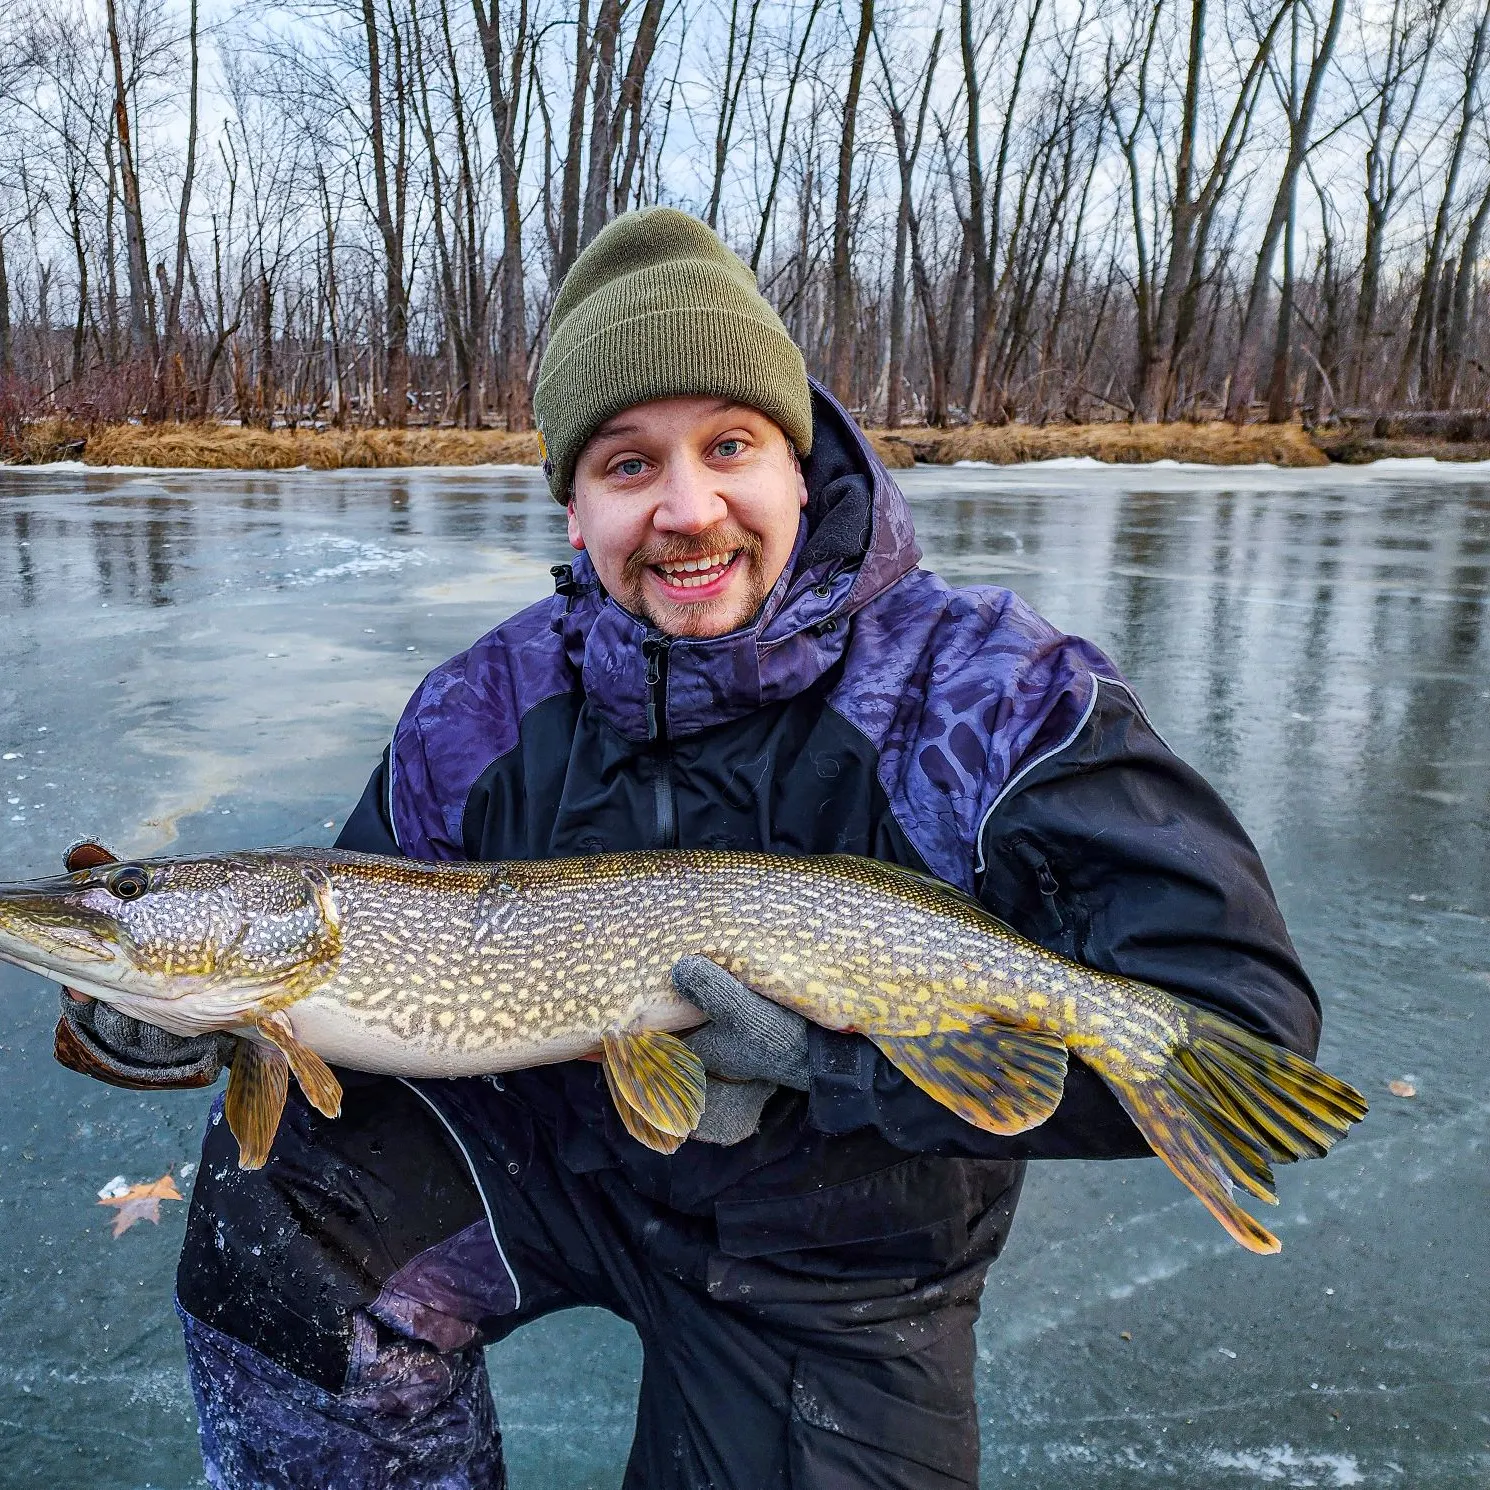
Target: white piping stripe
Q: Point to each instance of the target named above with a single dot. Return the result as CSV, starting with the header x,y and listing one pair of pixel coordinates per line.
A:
x,y
1029,766
1097,680
476,1180
392,824
1143,713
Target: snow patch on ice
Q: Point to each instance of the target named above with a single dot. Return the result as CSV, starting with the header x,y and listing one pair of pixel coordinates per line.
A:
x,y
1285,1465
360,558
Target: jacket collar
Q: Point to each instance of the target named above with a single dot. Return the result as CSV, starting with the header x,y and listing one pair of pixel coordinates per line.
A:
x,y
854,542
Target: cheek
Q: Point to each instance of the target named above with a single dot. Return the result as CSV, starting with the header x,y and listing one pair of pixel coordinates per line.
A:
x,y
773,513
611,538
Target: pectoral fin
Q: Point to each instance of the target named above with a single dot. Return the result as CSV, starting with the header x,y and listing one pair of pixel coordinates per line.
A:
x,y
257,1087
1000,1078
322,1089
656,1077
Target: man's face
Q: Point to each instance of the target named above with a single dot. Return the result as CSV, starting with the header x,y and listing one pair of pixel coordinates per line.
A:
x,y
688,508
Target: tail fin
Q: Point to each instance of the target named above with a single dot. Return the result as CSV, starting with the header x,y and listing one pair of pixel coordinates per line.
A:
x,y
1227,1106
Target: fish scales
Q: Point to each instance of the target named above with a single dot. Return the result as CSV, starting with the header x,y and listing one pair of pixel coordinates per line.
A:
x,y
473,962
416,969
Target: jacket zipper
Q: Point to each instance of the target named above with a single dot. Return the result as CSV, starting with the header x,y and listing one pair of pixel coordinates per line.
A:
x,y
654,649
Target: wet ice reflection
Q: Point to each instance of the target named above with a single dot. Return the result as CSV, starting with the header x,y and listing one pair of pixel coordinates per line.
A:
x,y
214,660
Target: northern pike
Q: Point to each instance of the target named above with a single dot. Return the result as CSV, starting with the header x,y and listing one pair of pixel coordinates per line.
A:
x,y
417,969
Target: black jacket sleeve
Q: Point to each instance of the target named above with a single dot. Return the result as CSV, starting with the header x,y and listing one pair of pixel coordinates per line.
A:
x,y
1116,853
369,829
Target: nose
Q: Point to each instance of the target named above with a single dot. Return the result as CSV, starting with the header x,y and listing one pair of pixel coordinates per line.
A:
x,y
689,501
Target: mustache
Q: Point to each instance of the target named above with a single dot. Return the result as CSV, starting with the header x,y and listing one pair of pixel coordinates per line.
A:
x,y
678,550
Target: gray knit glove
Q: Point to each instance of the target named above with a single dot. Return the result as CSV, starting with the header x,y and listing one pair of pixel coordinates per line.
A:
x,y
124,1051
749,1047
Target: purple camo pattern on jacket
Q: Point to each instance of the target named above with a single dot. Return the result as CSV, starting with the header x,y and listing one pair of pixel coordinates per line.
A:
x,y
955,689
410,1418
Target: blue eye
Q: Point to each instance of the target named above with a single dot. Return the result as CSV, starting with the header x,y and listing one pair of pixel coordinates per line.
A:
x,y
727,448
631,467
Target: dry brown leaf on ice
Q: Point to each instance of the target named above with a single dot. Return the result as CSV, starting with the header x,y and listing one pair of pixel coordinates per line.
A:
x,y
139,1202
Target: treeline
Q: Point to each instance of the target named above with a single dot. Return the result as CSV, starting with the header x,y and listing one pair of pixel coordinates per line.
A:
x,y
358,211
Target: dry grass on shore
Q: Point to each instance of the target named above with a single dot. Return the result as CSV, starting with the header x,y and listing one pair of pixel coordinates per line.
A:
x,y
1214,444
225,447
1356,450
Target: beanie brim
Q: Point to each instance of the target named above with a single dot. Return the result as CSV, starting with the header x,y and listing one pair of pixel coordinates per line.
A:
x,y
657,307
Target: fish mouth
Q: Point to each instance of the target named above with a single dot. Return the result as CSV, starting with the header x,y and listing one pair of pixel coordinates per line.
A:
x,y
42,928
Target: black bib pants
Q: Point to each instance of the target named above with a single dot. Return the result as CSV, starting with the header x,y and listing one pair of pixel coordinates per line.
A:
x,y
337,1302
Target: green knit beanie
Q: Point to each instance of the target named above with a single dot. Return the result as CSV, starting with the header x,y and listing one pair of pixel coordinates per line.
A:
x,y
658,307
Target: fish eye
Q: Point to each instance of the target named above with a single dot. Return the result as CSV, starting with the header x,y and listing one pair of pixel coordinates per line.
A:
x,y
128,882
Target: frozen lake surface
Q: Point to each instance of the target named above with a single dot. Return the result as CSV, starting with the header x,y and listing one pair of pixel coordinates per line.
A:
x,y
206,661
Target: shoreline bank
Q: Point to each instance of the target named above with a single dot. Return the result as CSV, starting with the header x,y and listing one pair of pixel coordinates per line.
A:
x,y
234,448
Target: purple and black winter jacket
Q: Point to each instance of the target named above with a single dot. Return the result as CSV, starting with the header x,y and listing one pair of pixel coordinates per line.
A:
x,y
869,709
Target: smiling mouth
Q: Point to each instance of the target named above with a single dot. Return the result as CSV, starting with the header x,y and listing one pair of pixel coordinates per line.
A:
x,y
694,574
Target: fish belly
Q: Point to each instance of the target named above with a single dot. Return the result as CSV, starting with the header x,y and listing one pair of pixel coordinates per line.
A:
x,y
346,1037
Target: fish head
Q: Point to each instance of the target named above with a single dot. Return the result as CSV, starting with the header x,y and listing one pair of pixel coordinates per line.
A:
x,y
157,931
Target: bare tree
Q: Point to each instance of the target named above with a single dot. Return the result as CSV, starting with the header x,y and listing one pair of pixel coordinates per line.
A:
x,y
1415,353
840,359
1094,212
506,71
1299,109
141,302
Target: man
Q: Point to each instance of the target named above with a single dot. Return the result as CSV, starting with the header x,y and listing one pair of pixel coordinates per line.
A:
x,y
743,655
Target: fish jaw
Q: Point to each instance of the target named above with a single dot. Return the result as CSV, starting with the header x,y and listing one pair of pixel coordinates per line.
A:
x,y
181,1005
59,953
46,926
79,956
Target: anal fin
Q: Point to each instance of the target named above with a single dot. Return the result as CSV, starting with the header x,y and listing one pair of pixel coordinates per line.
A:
x,y
257,1087
322,1089
1001,1078
656,1077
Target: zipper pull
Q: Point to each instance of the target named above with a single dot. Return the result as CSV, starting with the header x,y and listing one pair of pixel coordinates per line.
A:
x,y
651,648
654,649
1038,865
566,585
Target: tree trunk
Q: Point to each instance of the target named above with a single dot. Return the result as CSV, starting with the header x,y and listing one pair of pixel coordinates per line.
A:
x,y
1280,400
840,357
75,231
455,323
598,179
1451,362
475,307
895,370
393,405
729,100
778,155
1192,214
1417,336
574,151
141,302
630,105
172,327
1281,218
505,78
7,363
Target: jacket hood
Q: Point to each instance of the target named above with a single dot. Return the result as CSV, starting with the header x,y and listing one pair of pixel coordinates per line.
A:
x,y
855,541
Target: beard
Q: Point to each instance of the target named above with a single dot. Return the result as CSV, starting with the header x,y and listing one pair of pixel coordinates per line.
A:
x,y
743,598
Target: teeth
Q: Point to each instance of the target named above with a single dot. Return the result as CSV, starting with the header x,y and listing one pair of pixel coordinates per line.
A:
x,y
694,572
